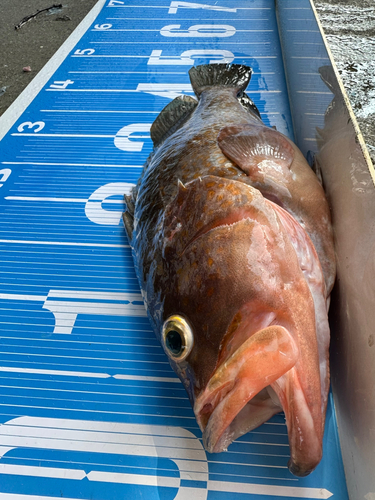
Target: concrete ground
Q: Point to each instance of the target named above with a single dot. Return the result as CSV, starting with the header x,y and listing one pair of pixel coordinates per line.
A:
x,y
349,26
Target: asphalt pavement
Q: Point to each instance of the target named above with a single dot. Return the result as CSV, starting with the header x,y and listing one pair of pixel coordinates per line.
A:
x,y
34,43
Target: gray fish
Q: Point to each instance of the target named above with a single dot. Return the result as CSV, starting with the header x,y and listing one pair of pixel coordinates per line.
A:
x,y
232,244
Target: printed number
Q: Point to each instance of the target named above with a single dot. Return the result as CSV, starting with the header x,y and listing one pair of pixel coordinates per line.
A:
x,y
103,26
189,5
115,2
4,173
84,52
39,126
123,140
186,58
199,30
61,84
94,210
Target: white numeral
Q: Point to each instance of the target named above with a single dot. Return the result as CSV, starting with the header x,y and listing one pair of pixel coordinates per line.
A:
x,y
115,2
103,26
61,85
94,210
123,140
5,173
39,126
186,58
199,30
189,5
84,51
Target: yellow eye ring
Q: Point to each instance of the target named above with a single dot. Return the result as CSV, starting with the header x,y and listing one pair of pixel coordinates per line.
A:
x,y
177,338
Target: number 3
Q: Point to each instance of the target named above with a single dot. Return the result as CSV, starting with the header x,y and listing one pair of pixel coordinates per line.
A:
x,y
39,126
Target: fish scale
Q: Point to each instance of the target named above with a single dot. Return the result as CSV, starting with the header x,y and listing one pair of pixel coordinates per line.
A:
x,y
218,234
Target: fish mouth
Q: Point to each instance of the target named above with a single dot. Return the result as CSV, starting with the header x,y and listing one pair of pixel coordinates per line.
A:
x,y
239,396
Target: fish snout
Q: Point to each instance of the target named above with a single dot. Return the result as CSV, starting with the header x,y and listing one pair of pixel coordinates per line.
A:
x,y
230,404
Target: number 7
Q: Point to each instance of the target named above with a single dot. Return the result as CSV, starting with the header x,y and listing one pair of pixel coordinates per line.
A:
x,y
189,5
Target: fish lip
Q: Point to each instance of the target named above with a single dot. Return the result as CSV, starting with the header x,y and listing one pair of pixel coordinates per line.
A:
x,y
236,426
214,442
235,383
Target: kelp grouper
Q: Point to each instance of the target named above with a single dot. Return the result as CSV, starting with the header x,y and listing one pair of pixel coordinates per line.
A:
x,y
232,242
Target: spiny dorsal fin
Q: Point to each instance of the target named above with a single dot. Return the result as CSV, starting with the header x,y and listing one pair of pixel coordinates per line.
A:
x,y
172,117
219,75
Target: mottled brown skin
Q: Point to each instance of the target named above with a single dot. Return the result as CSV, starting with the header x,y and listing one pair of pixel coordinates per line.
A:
x,y
194,151
195,219
210,273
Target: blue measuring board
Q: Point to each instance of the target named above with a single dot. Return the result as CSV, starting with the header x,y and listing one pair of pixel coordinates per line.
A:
x,y
89,407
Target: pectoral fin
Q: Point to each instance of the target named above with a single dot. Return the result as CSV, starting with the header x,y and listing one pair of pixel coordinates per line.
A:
x,y
249,145
128,220
173,116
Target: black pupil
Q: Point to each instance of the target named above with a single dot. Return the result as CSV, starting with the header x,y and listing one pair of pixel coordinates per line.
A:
x,y
173,341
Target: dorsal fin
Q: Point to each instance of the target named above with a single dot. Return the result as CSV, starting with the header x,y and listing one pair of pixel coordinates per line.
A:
x,y
172,117
235,76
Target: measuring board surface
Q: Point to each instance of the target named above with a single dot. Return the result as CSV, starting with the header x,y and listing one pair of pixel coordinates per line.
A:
x,y
89,407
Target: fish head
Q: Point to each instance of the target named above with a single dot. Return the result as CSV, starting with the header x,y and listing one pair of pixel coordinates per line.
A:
x,y
226,260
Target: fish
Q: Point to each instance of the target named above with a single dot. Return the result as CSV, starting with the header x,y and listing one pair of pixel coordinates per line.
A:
x,y
232,242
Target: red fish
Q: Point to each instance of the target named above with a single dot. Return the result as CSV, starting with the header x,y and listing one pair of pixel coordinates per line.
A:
x,y
232,243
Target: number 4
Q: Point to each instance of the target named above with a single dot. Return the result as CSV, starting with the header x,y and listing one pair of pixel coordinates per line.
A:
x,y
189,5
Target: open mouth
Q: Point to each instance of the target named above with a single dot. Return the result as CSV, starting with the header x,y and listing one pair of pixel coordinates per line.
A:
x,y
254,413
239,396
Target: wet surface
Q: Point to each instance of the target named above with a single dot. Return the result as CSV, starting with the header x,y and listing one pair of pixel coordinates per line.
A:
x,y
350,28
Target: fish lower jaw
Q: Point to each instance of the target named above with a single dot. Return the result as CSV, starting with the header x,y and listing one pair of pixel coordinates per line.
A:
x,y
238,398
219,446
255,412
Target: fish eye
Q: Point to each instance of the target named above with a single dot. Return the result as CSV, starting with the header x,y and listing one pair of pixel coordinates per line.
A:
x,y
177,338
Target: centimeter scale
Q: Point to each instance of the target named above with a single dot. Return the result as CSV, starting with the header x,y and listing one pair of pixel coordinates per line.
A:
x,y
89,407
